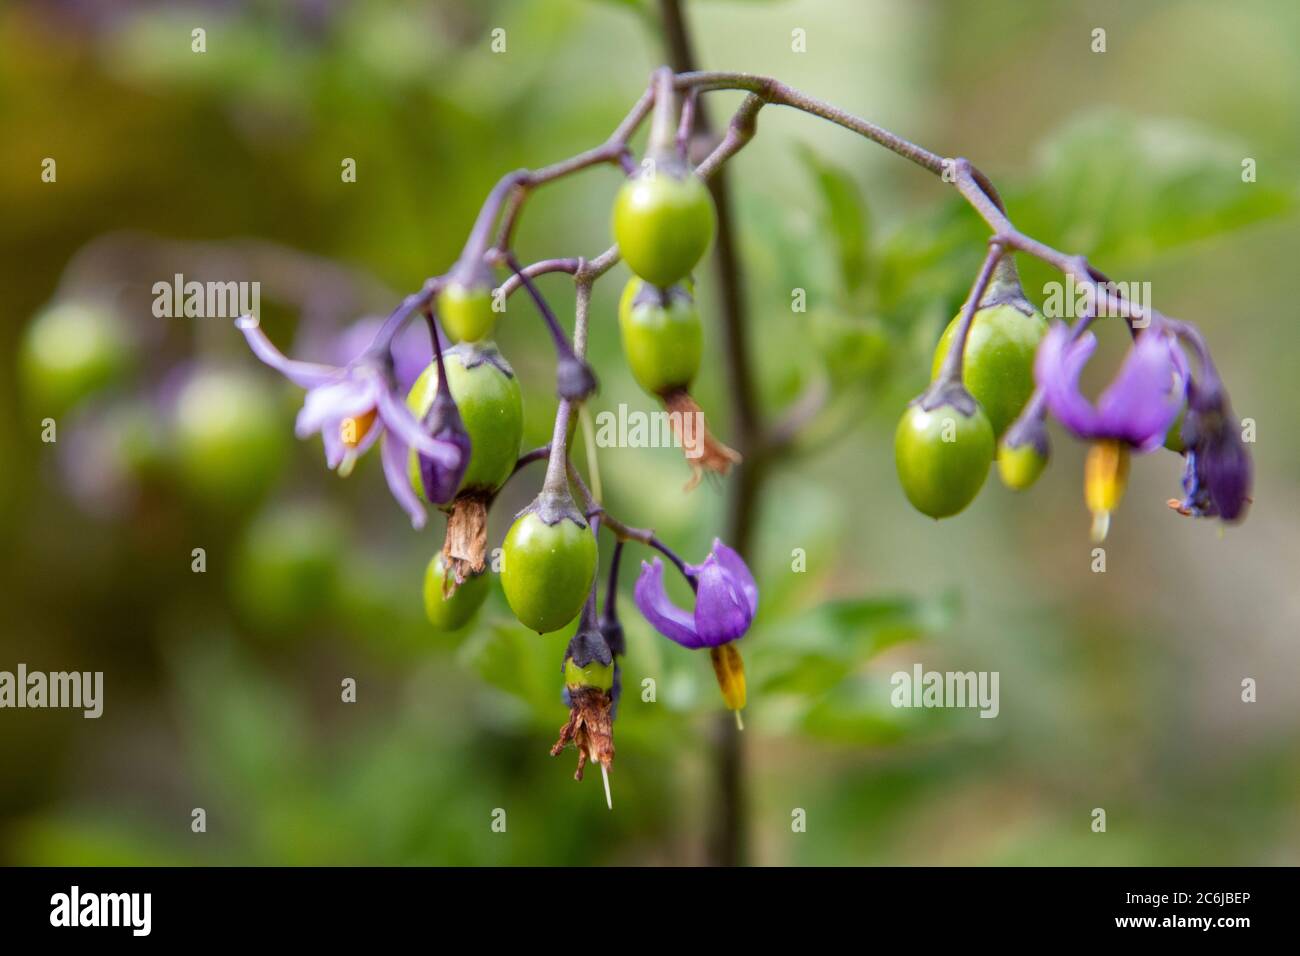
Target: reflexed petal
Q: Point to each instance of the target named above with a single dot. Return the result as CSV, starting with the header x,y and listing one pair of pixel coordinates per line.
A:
x,y
722,611
664,616
738,572
393,453
1137,407
302,374
1057,367
400,420
335,450
1146,395
1226,470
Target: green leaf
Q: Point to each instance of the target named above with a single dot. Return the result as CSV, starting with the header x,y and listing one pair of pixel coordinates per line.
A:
x,y
844,214
858,711
518,662
817,650
1122,189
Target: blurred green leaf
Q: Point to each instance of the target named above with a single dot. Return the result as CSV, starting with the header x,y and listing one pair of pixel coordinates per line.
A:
x,y
858,711
1122,188
518,662
844,215
814,652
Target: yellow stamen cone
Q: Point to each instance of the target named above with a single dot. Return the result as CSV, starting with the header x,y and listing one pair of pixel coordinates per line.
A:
x,y
1105,475
730,672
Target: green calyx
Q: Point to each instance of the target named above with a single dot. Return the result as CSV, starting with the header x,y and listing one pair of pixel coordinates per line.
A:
x,y
547,569
943,453
487,395
465,311
662,335
663,222
450,613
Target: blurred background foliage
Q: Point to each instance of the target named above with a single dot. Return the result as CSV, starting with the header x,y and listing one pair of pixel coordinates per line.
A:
x,y
1118,690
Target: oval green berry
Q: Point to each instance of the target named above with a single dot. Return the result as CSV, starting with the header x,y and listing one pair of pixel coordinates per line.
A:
x,y
663,337
663,223
943,457
451,613
998,363
547,570
491,409
466,311
1019,467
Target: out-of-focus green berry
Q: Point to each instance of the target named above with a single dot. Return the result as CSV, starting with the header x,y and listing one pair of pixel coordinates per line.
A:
x,y
70,350
229,439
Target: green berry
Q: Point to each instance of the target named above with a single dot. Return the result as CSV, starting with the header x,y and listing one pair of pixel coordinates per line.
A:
x,y
229,438
663,223
70,350
595,674
547,570
491,409
998,363
466,311
943,456
288,565
451,613
663,337
1020,466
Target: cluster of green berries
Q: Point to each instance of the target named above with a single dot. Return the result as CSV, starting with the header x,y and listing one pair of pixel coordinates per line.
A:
x,y
948,438
663,221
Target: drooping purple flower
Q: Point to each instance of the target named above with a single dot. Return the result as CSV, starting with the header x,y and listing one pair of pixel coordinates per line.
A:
x,y
1136,408
726,599
410,348
1219,470
352,406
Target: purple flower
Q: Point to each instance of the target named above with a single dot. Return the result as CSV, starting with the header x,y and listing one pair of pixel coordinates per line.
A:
x,y
1136,408
410,347
352,406
1219,470
726,599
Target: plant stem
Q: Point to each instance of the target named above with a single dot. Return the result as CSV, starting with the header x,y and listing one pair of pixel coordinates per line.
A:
x,y
727,840
950,372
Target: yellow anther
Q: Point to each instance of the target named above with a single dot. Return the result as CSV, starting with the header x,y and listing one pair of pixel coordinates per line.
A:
x,y
730,671
1105,474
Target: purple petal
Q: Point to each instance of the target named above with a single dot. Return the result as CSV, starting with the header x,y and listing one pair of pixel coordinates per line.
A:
x,y
328,405
400,420
335,450
393,453
302,374
440,483
1227,471
664,616
722,611
1057,367
1146,395
412,352
738,572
